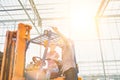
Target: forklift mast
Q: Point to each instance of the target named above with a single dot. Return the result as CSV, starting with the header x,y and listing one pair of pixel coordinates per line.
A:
x,y
13,62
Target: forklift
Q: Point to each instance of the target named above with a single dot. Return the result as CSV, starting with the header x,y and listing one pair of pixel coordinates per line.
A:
x,y
14,55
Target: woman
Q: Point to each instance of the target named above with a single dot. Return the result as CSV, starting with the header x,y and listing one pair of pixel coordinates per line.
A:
x,y
52,57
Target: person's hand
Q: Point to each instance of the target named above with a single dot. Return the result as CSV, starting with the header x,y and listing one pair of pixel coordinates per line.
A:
x,y
55,29
43,63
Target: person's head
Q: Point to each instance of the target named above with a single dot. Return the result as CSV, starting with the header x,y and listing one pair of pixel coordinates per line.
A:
x,y
52,47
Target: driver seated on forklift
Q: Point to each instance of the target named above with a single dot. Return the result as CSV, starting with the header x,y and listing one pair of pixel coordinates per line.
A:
x,y
52,58
36,62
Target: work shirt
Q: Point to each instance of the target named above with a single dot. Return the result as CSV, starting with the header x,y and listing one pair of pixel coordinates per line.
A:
x,y
68,56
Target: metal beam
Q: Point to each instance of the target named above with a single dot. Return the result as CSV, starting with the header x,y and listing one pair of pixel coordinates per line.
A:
x,y
17,9
6,11
110,16
16,20
36,12
29,16
60,3
98,61
30,13
102,7
20,9
115,0
100,45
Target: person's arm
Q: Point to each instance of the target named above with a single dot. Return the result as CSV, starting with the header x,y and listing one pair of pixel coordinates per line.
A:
x,y
60,34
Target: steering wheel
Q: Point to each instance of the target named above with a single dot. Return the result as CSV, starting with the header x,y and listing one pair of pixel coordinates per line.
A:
x,y
37,60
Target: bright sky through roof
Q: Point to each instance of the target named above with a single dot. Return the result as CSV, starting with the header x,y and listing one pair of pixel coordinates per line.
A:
x,y
82,26
82,19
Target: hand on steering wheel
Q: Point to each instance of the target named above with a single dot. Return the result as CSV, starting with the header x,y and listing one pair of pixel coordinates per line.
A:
x,y
36,61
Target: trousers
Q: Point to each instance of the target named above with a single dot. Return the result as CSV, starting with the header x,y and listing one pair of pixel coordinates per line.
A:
x,y
71,74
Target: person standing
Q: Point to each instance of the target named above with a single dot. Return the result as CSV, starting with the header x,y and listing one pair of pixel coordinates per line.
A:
x,y
68,57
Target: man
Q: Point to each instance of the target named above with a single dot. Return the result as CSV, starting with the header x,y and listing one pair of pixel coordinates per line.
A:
x,y
68,57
